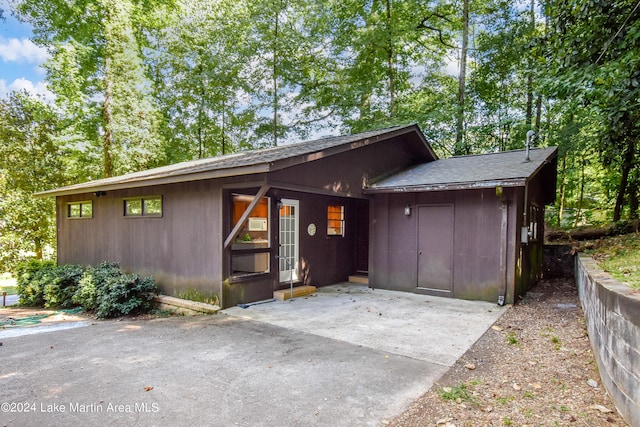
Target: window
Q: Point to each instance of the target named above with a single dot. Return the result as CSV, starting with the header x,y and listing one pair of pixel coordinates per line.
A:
x,y
143,206
534,218
335,220
80,209
250,252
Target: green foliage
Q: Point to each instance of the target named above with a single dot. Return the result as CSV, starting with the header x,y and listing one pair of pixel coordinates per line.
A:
x,y
92,284
29,162
620,256
593,60
458,393
60,290
125,294
104,289
32,277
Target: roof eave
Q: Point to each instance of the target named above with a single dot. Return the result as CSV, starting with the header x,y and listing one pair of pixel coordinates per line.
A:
x,y
543,163
513,182
149,182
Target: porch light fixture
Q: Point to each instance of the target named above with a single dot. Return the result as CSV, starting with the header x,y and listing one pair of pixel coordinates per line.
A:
x,y
407,210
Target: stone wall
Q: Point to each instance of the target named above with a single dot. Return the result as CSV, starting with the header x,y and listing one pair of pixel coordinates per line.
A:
x,y
612,312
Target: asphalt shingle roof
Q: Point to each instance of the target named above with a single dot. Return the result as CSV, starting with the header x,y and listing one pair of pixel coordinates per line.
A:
x,y
507,168
254,161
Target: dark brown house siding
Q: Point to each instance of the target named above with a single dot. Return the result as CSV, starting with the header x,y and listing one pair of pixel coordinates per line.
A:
x,y
477,240
181,249
346,173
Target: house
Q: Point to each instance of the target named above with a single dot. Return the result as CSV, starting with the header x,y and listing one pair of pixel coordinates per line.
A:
x,y
379,203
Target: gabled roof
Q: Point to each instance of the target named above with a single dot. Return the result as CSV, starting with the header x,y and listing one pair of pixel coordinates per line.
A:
x,y
505,169
247,162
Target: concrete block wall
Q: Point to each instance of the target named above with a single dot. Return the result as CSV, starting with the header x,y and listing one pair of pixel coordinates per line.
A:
x,y
612,312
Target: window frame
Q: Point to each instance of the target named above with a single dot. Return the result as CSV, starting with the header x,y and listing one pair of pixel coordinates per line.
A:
x,y
80,204
143,210
340,220
534,222
257,256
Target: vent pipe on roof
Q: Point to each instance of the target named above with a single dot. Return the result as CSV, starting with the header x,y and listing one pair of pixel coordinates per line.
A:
x,y
530,135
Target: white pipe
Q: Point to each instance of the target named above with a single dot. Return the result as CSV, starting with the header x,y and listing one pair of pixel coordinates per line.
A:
x,y
530,135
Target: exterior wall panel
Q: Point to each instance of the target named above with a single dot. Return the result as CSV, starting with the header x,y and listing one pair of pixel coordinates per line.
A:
x,y
348,172
179,249
477,242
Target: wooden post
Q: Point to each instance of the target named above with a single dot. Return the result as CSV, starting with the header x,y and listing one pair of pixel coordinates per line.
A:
x,y
256,199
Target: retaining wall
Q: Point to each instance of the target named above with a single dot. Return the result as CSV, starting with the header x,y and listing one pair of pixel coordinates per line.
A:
x,y
612,312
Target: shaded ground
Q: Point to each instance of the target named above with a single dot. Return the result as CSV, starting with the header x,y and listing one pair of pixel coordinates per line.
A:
x,y
534,367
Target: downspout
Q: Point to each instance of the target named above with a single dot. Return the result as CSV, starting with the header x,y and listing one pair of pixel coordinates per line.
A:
x,y
524,228
524,235
504,241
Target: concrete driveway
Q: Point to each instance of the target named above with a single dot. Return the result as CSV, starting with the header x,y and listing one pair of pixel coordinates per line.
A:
x,y
348,356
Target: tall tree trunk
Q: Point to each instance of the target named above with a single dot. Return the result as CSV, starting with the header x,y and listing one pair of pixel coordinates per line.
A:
x,y
223,128
536,126
461,146
529,118
390,64
563,189
581,196
275,76
107,116
634,192
200,124
529,114
38,244
627,164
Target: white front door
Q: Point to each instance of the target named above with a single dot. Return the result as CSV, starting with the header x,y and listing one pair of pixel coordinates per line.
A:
x,y
289,238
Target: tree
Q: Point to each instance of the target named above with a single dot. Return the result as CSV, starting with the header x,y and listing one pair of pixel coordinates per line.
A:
x,y
198,62
98,74
29,162
461,147
596,47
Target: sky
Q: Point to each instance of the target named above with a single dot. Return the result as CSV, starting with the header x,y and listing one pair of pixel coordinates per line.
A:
x,y
20,59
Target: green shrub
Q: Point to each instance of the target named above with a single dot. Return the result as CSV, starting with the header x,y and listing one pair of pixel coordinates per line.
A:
x,y
125,294
104,289
92,283
60,291
31,277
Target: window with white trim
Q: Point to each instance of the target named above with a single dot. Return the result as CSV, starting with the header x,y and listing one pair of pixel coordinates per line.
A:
x,y
335,220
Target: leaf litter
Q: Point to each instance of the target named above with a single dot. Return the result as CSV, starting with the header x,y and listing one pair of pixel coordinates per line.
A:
x,y
534,367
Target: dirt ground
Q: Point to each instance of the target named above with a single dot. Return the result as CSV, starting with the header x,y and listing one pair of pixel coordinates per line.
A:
x,y
534,367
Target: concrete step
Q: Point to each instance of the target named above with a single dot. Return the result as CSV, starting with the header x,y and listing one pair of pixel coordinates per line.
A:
x,y
183,306
359,278
298,291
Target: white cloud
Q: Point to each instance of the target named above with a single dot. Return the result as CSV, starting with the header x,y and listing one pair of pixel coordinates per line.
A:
x,y
39,89
22,51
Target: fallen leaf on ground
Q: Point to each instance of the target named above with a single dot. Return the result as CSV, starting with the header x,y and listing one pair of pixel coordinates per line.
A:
x,y
148,388
601,408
